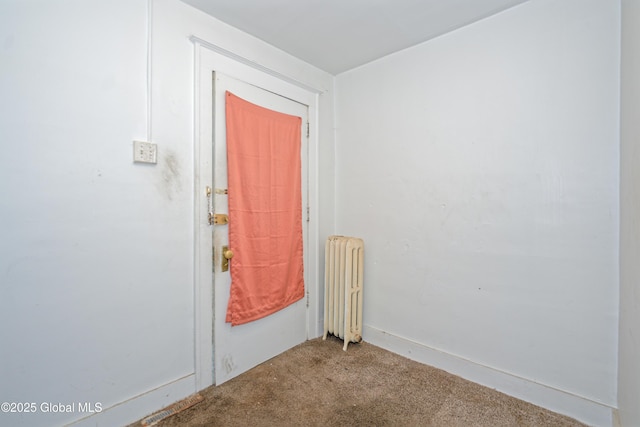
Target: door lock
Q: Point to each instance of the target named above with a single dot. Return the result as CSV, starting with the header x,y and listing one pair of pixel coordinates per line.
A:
x,y
220,219
227,254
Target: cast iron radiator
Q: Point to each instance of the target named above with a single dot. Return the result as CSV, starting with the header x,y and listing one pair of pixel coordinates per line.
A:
x,y
343,280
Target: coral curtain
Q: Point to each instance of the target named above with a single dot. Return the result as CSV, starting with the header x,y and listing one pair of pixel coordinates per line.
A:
x,y
265,210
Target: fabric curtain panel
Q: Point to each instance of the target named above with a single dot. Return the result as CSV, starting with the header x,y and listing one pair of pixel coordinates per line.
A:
x,y
265,210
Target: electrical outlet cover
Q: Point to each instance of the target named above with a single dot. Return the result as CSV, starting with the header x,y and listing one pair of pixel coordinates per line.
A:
x,y
145,152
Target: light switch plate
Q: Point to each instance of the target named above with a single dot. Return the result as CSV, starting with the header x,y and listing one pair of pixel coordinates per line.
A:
x,y
145,152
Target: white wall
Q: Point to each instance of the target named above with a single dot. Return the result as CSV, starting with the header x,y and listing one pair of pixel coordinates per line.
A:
x,y
481,169
629,353
96,254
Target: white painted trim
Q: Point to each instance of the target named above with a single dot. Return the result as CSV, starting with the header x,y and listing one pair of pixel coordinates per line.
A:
x,y
253,64
560,401
315,312
140,406
203,245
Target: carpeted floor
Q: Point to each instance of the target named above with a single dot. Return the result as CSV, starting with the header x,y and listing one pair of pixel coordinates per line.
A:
x,y
317,384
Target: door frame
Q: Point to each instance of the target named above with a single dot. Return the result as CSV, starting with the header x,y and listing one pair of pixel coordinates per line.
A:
x,y
207,59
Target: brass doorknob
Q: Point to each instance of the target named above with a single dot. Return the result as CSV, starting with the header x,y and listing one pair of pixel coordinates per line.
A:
x,y
228,253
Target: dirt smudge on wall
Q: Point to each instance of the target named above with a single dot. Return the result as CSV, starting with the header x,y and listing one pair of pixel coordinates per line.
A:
x,y
171,174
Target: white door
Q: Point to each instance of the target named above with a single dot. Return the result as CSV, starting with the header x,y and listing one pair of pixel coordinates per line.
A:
x,y
239,348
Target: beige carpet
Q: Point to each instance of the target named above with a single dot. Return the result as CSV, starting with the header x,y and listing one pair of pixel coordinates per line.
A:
x,y
317,384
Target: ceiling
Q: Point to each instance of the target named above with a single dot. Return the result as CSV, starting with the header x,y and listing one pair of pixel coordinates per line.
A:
x,y
338,35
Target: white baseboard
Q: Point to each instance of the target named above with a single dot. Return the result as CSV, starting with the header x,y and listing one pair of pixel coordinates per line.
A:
x,y
140,406
580,408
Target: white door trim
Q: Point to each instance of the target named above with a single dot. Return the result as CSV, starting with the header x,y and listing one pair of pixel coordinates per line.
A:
x,y
207,58
252,64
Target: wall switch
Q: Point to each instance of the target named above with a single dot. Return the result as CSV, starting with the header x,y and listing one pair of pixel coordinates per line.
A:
x,y
145,152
